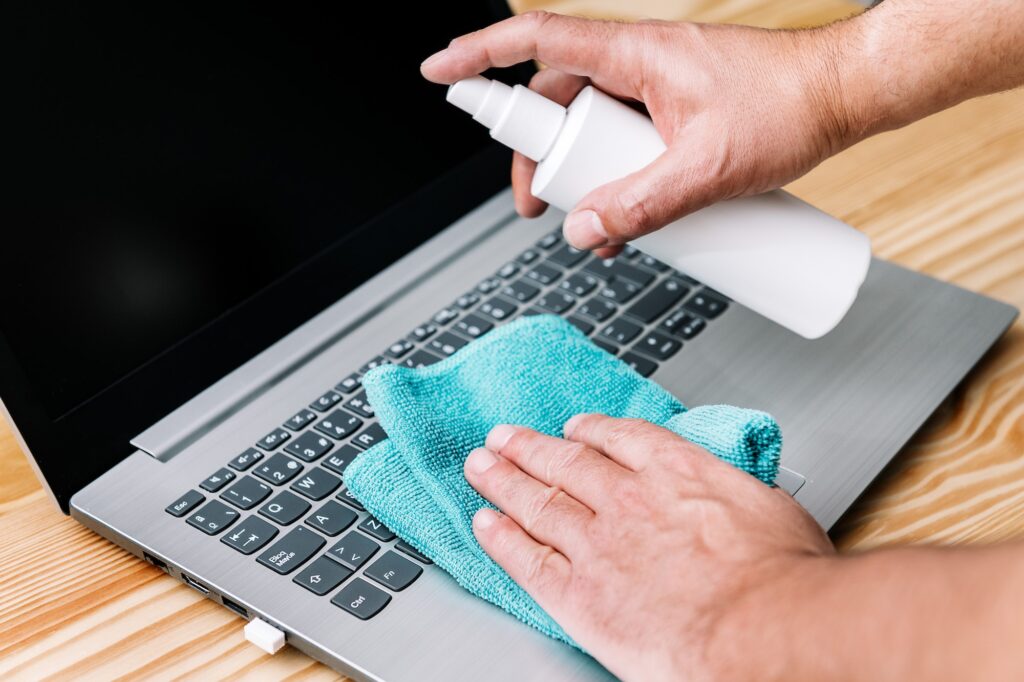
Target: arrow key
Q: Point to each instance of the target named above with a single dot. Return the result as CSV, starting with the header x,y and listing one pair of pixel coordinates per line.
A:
x,y
332,518
353,550
322,576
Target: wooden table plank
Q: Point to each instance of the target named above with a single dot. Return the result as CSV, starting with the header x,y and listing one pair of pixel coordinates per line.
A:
x,y
944,196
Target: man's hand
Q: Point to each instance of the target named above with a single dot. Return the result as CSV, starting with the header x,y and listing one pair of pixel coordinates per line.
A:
x,y
639,543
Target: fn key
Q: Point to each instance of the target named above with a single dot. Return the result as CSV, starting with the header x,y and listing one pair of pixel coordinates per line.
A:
x,y
361,599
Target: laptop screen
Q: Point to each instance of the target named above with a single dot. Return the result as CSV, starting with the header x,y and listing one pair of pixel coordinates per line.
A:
x,y
169,164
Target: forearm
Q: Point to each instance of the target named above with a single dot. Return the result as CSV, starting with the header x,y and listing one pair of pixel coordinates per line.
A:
x,y
901,614
906,59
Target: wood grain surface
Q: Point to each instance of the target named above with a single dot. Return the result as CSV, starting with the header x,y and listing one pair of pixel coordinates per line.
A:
x,y
944,196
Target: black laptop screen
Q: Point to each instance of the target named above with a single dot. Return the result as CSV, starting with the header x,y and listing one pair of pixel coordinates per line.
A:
x,y
168,164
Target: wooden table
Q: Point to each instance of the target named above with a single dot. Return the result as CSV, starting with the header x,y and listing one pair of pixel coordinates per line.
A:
x,y
944,196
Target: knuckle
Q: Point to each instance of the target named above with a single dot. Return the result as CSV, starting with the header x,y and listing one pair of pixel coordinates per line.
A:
x,y
539,566
563,466
635,211
625,432
539,506
535,19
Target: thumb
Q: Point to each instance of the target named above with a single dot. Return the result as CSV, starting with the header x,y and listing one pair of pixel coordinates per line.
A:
x,y
654,196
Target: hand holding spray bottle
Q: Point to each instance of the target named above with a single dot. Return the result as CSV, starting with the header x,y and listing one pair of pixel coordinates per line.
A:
x,y
773,253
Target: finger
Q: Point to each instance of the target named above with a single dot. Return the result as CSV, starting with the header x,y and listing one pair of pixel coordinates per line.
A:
x,y
630,442
586,475
547,513
527,205
570,44
538,568
665,190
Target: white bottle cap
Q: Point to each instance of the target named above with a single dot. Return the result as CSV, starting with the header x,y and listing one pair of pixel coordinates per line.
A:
x,y
517,117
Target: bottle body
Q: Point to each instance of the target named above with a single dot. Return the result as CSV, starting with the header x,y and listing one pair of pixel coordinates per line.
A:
x,y
772,252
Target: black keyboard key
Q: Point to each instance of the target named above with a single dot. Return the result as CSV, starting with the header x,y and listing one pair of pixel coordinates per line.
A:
x,y
406,548
508,270
580,284
360,405
346,497
339,424
316,484
446,344
643,366
567,256
652,262
620,331
370,436
361,599
273,439
520,290
550,241
377,529
655,302
420,358
340,460
350,383
445,316
706,305
309,447
605,346
682,323
620,290
299,420
332,518
184,504
285,508
581,324
468,300
528,256
556,302
611,268
326,401
353,550
399,348
423,332
291,551
213,517
498,308
658,345
629,252
322,576
246,493
529,312
374,364
544,274
250,535
278,469
597,309
217,480
393,571
246,459
488,285
473,326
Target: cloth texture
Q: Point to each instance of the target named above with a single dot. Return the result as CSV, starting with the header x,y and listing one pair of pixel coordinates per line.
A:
x,y
537,372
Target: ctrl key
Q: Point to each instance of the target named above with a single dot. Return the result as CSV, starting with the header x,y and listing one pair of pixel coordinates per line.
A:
x,y
361,599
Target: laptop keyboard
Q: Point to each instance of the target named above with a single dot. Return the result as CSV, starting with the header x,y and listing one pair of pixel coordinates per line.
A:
x,y
290,484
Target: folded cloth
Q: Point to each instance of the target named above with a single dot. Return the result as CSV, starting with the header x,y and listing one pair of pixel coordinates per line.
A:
x,y
535,372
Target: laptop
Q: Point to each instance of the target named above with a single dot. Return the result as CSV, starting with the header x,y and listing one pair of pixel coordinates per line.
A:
x,y
221,216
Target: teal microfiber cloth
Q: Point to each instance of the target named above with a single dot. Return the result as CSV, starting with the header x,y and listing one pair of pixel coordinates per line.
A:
x,y
536,372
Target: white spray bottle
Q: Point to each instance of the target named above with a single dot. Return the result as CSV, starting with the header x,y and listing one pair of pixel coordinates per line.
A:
x,y
772,252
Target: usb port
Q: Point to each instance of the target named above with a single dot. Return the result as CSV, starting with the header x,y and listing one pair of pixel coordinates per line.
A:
x,y
195,584
235,607
156,562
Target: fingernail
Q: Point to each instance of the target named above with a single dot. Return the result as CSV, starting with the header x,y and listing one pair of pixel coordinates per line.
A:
x,y
480,460
432,58
584,230
484,518
570,426
498,437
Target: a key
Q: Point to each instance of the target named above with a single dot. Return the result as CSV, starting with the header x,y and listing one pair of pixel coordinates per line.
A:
x,y
285,508
291,551
567,256
376,529
316,484
339,424
446,344
350,383
322,576
620,331
659,346
374,364
423,332
346,496
597,309
406,548
326,401
556,302
370,436
250,535
420,358
393,571
682,323
331,518
528,256
520,290
652,262
246,459
498,308
544,274
353,550
399,348
473,326
620,290
655,302
273,439
611,268
445,316
360,405
340,460
278,469
580,284
581,324
213,517
549,241
184,504
300,420
489,285
217,480
629,252
468,300
246,493
643,366
309,447
508,270
706,305
605,346
361,599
